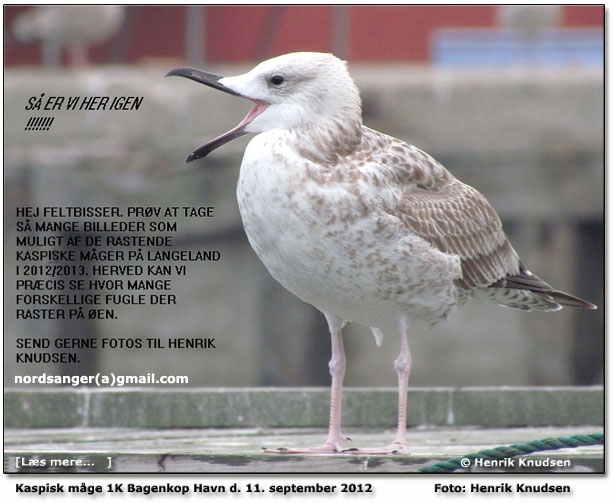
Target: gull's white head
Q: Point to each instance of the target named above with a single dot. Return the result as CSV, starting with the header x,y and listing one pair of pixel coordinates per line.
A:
x,y
302,89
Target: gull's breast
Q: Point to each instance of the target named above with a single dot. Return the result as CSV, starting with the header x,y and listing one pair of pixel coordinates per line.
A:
x,y
334,246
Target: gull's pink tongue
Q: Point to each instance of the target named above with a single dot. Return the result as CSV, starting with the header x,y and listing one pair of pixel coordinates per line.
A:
x,y
255,111
235,132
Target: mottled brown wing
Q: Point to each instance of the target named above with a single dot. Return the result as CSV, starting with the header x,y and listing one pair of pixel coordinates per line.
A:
x,y
452,216
457,219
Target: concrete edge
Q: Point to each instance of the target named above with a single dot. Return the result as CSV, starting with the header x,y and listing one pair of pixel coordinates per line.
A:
x,y
300,407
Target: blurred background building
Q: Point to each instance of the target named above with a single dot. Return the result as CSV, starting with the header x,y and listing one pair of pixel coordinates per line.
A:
x,y
224,34
510,99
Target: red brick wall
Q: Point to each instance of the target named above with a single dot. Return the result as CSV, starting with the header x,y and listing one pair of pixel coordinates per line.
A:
x,y
248,33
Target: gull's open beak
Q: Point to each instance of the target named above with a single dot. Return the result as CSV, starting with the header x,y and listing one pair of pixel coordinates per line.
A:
x,y
202,77
213,80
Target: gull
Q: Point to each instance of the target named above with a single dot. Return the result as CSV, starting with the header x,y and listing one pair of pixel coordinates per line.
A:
x,y
361,225
74,26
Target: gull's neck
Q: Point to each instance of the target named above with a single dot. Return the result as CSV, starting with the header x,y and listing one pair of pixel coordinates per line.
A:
x,y
328,140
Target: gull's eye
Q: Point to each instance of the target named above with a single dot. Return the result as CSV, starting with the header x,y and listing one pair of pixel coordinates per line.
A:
x,y
277,80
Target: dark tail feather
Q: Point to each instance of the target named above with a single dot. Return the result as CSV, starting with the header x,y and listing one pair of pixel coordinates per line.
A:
x,y
526,280
566,299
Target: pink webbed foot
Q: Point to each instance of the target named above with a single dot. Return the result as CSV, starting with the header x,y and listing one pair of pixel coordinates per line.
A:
x,y
328,448
321,449
393,448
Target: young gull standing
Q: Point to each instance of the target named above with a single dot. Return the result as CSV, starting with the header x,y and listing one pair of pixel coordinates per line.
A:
x,y
361,225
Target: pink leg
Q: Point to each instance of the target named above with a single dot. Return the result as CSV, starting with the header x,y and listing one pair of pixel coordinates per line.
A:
x,y
336,366
402,365
334,441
